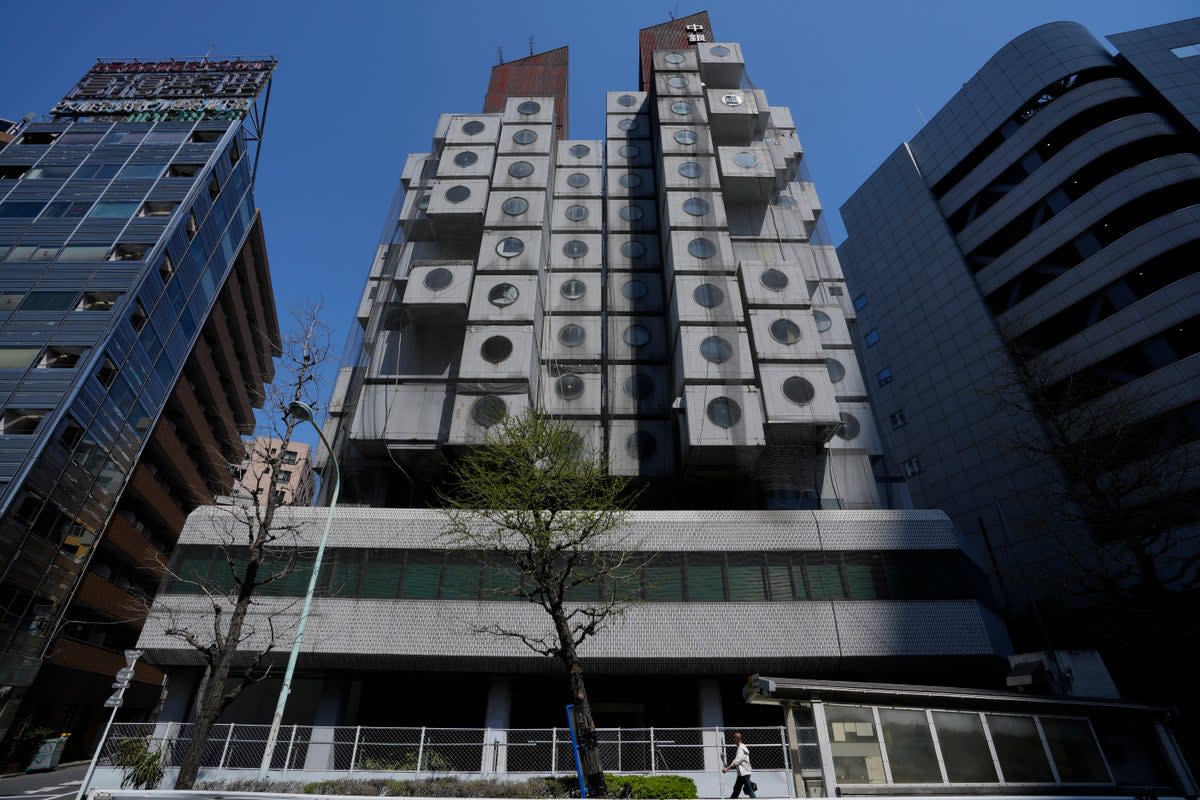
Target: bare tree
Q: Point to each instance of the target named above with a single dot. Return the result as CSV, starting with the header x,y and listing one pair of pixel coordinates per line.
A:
x,y
545,513
1122,478
254,548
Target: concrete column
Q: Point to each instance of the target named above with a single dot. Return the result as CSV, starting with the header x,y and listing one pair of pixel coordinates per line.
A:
x,y
712,717
823,747
497,719
793,744
181,686
320,754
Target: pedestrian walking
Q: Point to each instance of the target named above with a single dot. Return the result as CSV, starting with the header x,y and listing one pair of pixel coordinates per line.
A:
x,y
741,762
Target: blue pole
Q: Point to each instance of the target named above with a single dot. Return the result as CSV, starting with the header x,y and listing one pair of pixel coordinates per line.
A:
x,y
575,746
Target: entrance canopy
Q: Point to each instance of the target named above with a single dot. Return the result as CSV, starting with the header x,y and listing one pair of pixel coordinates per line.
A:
x,y
880,739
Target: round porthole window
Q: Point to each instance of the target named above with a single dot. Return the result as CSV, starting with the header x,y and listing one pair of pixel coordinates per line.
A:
x,y
641,445
696,206
690,169
720,51
636,336
438,279
731,99
577,180
702,248
774,280
708,295
529,108
571,335
524,136
785,331
677,82
681,107
850,427
489,410
472,127
628,124
569,387
634,290
824,323
510,247
674,58
520,169
630,181
515,206
573,289
628,151
575,213
836,370
798,390
723,412
579,150
495,349
639,386
627,100
633,249
575,249
466,158
456,194
631,213
423,202
745,159
686,137
503,294
716,349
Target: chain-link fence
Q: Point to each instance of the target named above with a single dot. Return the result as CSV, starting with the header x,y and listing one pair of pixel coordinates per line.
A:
x,y
470,751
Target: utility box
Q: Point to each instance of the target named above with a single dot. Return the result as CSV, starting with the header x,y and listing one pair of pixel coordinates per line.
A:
x,y
48,755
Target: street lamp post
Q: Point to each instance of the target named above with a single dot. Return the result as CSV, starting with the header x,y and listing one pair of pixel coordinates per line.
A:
x,y
302,412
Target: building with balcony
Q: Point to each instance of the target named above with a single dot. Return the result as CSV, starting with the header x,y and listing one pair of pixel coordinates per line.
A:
x,y
254,478
137,329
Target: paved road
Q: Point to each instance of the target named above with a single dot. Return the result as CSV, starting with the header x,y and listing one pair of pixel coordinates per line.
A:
x,y
59,784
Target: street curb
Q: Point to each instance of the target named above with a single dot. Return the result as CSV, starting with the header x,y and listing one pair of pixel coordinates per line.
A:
x,y
46,771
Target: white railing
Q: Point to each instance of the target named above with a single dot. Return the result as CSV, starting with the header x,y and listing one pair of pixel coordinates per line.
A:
x,y
309,752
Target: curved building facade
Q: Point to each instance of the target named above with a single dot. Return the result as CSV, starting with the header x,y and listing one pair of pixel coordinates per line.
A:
x,y
1024,272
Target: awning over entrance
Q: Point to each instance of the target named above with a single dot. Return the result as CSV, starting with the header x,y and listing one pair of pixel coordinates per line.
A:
x,y
880,739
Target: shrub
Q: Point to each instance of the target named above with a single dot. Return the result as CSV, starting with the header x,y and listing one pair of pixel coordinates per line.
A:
x,y
252,785
406,761
140,763
639,787
652,787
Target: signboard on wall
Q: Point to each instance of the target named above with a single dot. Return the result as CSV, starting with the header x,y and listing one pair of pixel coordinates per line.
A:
x,y
168,90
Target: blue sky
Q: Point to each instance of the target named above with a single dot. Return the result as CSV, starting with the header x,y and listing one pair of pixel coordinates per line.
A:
x,y
360,85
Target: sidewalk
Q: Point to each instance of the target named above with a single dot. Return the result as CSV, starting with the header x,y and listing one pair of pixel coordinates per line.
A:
x,y
46,772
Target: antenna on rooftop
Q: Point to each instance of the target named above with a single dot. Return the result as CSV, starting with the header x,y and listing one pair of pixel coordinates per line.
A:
x,y
211,47
530,45
674,11
499,55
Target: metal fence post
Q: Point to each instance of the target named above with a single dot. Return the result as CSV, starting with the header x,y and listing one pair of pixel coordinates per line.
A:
x,y
354,749
653,768
619,749
554,751
420,750
287,759
225,749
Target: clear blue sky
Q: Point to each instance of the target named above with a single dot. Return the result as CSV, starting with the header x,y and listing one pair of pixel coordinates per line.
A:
x,y
360,85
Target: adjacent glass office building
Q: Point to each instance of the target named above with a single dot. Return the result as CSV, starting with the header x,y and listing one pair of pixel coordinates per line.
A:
x,y
137,327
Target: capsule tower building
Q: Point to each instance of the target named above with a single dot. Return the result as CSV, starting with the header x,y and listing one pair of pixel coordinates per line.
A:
x,y
661,291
